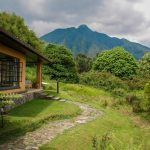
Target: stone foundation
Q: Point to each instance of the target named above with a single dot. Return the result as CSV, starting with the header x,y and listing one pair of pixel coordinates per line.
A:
x,y
28,96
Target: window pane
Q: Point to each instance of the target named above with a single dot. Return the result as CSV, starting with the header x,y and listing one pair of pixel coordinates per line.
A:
x,y
9,71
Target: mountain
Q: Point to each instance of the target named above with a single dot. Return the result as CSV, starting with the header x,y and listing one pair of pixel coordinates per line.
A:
x,y
84,40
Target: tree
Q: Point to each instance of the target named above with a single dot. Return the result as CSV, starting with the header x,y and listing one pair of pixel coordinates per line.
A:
x,y
116,61
144,65
62,65
15,25
83,63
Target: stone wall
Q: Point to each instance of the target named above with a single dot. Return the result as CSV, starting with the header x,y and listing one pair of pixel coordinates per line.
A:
x,y
28,96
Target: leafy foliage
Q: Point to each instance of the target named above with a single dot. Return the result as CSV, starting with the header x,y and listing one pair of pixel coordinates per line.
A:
x,y
136,83
144,66
62,65
16,25
31,74
116,61
83,62
102,80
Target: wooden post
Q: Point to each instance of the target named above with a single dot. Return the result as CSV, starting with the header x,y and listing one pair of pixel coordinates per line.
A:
x,y
57,87
38,83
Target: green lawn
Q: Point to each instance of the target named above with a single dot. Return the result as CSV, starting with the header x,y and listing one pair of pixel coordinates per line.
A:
x,y
114,128
33,114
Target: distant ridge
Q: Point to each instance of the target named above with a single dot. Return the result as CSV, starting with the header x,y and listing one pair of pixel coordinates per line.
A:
x,y
84,40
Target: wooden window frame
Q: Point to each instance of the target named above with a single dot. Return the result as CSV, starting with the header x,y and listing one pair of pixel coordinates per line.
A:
x,y
11,73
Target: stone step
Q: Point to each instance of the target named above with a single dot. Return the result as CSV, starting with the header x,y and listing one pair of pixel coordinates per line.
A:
x,y
62,100
49,97
56,98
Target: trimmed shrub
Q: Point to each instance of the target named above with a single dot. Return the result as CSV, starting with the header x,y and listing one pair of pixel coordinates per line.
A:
x,y
102,80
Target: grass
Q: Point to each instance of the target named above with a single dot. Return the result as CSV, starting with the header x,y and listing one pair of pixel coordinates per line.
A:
x,y
33,114
84,94
124,133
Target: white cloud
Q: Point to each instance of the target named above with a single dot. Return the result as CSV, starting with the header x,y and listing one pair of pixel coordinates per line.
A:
x,y
123,18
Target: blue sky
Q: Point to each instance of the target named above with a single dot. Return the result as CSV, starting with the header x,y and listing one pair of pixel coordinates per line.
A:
x,y
122,18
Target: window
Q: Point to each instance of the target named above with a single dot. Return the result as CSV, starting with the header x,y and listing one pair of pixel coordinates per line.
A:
x,y
10,72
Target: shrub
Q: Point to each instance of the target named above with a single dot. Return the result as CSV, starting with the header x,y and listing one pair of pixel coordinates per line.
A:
x,y
144,66
116,61
136,83
102,80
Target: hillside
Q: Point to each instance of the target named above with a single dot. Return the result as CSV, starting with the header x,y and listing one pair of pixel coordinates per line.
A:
x,y
84,40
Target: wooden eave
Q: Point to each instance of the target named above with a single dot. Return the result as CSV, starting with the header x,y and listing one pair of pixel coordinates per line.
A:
x,y
13,42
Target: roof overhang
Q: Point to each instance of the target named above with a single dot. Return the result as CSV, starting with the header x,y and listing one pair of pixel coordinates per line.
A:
x,y
13,42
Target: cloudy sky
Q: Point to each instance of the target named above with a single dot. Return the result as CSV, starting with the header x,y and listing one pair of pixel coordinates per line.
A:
x,y
122,18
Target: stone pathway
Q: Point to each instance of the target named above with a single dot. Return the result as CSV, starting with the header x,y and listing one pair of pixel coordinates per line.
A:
x,y
33,140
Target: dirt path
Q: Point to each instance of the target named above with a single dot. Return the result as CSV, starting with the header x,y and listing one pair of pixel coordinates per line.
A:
x,y
33,140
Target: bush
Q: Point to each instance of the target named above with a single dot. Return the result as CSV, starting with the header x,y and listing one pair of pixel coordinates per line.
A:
x,y
117,61
139,103
102,80
144,66
136,83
